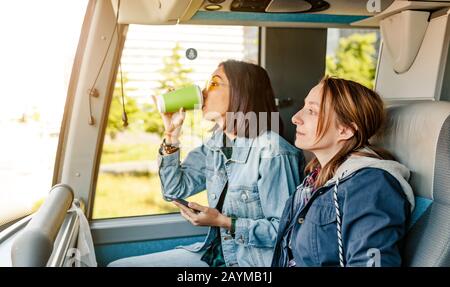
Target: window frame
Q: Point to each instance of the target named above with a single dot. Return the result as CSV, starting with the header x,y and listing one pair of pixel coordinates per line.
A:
x,y
150,219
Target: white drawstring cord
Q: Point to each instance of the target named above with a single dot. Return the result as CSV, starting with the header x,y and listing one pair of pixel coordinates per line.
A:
x,y
339,225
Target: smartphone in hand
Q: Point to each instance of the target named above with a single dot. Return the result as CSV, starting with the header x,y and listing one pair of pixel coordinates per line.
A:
x,y
181,201
185,203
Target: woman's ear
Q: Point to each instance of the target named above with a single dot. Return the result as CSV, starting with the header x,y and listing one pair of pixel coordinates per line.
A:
x,y
346,132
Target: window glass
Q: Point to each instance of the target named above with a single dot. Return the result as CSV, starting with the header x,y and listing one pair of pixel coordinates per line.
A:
x,y
352,54
155,58
39,41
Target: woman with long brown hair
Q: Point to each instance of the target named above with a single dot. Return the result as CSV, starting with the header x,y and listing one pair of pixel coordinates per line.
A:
x,y
247,168
353,205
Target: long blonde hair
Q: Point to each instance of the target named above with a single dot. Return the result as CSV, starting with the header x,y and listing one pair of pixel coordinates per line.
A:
x,y
357,107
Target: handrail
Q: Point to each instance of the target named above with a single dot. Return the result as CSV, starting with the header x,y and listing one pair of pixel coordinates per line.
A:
x,y
34,245
66,238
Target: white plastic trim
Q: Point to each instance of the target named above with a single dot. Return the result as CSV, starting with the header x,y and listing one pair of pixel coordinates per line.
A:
x,y
424,79
403,34
152,11
398,6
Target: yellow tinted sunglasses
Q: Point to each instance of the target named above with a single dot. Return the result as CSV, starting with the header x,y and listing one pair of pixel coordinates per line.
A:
x,y
213,84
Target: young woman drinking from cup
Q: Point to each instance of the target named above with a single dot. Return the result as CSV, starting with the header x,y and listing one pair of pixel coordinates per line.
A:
x,y
247,168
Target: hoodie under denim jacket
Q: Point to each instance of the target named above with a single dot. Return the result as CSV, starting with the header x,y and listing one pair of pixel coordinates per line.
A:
x,y
374,202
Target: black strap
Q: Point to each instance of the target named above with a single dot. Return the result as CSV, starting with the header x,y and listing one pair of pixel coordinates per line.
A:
x,y
309,203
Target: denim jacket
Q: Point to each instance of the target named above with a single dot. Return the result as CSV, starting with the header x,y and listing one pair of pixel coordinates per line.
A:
x,y
261,174
374,201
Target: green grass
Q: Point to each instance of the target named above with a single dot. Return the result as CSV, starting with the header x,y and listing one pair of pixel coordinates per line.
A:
x,y
133,195
113,153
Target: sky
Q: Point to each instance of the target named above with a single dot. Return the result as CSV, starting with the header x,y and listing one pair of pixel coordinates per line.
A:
x,y
37,44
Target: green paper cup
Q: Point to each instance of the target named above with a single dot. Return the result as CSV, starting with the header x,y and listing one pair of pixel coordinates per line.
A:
x,y
189,98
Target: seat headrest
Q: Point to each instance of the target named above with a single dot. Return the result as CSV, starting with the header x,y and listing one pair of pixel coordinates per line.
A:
x,y
418,135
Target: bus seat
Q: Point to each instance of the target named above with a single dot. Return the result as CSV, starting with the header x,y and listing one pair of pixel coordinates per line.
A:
x,y
418,135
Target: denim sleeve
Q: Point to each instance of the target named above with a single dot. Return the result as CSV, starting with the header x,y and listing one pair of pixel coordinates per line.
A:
x,y
374,218
185,179
279,177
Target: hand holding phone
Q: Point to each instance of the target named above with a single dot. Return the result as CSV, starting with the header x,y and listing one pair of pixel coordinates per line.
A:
x,y
181,201
185,203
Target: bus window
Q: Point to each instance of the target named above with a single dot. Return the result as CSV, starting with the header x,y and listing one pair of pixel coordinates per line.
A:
x,y
155,58
352,54
36,58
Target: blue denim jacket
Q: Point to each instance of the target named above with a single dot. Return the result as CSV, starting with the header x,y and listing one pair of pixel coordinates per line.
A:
x,y
261,174
375,201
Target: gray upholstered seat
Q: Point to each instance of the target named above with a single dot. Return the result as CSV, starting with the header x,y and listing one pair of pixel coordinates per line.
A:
x,y
418,134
